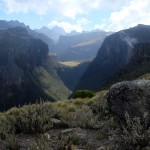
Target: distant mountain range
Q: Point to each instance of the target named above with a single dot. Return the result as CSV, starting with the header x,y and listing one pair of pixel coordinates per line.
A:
x,y
53,33
80,47
120,50
74,46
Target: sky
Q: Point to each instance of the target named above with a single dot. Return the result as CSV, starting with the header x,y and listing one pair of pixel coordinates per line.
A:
x,y
78,15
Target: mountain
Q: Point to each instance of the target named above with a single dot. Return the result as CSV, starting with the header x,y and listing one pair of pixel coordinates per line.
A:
x,y
117,52
80,47
53,33
27,72
11,24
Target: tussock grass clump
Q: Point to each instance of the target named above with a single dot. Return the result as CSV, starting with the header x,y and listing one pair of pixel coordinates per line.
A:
x,y
28,119
83,118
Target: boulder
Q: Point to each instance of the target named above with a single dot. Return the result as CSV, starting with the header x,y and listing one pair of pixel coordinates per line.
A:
x,y
132,97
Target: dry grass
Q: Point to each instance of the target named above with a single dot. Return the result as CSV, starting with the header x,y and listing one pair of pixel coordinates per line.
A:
x,y
145,76
66,106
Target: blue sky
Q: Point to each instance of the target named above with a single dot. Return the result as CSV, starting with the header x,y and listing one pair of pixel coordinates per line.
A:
x,y
79,15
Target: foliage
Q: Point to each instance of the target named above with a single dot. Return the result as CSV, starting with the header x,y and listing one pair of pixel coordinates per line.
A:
x,y
28,119
12,143
83,94
83,118
133,135
42,144
68,142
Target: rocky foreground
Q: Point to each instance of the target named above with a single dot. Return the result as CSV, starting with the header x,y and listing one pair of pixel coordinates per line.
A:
x,y
115,119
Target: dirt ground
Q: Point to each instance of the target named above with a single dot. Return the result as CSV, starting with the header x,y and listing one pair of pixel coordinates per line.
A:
x,y
88,137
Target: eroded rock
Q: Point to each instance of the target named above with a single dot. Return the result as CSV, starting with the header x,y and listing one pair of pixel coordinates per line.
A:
x,y
132,97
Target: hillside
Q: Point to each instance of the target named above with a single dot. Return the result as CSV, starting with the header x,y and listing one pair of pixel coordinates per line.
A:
x,y
118,51
27,72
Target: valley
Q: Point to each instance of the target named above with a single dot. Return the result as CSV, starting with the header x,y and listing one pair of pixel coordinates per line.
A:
x,y
74,91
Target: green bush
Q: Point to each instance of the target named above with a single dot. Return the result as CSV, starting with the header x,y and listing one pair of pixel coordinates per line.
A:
x,y
83,94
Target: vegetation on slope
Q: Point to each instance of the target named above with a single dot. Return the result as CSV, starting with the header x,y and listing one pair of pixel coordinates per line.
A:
x,y
27,72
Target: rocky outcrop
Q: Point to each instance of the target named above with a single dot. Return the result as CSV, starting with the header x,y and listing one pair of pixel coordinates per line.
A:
x,y
132,97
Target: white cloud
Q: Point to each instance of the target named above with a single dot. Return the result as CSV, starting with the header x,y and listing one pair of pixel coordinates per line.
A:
x,y
82,21
137,12
64,8
99,26
24,6
66,26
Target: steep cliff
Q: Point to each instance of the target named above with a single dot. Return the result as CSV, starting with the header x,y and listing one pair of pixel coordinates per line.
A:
x,y
117,51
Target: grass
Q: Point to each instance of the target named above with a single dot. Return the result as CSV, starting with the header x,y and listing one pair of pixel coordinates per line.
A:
x,y
70,63
145,76
88,113
67,106
36,119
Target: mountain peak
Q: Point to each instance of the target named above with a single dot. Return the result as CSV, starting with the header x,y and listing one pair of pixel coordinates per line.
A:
x,y
58,29
53,33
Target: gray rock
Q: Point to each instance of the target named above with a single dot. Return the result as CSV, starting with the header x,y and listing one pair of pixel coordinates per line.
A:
x,y
56,123
132,97
68,131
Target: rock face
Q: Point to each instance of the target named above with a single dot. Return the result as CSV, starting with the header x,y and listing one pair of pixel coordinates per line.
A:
x,y
117,51
130,96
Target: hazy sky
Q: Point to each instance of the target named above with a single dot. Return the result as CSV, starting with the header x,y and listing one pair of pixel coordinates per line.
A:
x,y
111,15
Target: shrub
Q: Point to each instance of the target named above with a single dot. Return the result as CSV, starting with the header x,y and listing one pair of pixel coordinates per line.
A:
x,y
67,142
12,143
83,94
133,135
5,127
100,108
41,144
30,119
83,118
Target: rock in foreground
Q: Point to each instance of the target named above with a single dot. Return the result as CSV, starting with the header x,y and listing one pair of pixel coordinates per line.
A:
x,y
132,97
